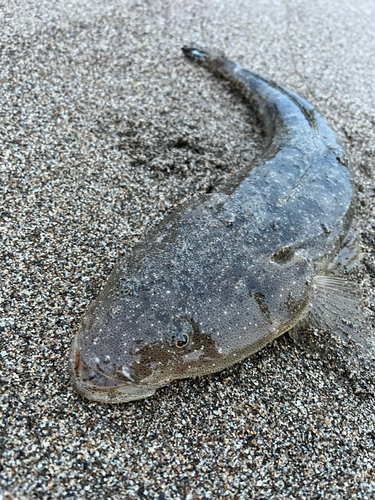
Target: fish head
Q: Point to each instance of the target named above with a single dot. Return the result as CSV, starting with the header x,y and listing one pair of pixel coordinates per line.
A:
x,y
140,335
131,341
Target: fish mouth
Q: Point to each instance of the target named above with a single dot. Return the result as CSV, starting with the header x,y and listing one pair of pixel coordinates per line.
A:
x,y
98,387
95,380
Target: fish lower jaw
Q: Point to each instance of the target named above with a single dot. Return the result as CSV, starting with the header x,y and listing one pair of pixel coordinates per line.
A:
x,y
95,380
100,388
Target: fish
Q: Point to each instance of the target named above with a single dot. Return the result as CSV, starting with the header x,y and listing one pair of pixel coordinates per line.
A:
x,y
228,272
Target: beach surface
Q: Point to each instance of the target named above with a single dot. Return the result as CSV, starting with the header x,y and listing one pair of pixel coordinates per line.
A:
x,y
104,128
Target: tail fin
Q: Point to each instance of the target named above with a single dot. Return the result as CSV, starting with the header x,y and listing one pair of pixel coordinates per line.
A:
x,y
200,54
215,61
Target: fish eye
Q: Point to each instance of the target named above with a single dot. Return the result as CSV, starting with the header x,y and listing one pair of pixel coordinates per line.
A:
x,y
182,341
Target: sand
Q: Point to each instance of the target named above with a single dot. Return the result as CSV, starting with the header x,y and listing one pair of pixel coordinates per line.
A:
x,y
105,127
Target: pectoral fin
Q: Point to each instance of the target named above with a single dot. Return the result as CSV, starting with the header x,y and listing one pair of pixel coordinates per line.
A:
x,y
336,307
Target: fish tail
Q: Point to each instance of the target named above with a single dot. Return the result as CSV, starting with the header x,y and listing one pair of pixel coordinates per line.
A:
x,y
214,60
200,54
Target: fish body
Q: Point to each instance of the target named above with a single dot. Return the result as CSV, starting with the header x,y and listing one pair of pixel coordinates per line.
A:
x,y
227,272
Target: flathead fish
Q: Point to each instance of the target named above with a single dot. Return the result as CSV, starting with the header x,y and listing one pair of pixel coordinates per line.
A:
x,y
227,272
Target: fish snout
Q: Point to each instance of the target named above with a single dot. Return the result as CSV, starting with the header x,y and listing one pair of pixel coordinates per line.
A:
x,y
98,387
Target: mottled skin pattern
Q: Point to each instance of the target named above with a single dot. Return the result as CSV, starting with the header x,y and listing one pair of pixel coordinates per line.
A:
x,y
227,272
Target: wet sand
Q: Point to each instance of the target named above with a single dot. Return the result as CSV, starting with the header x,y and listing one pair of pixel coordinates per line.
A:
x,y
105,127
